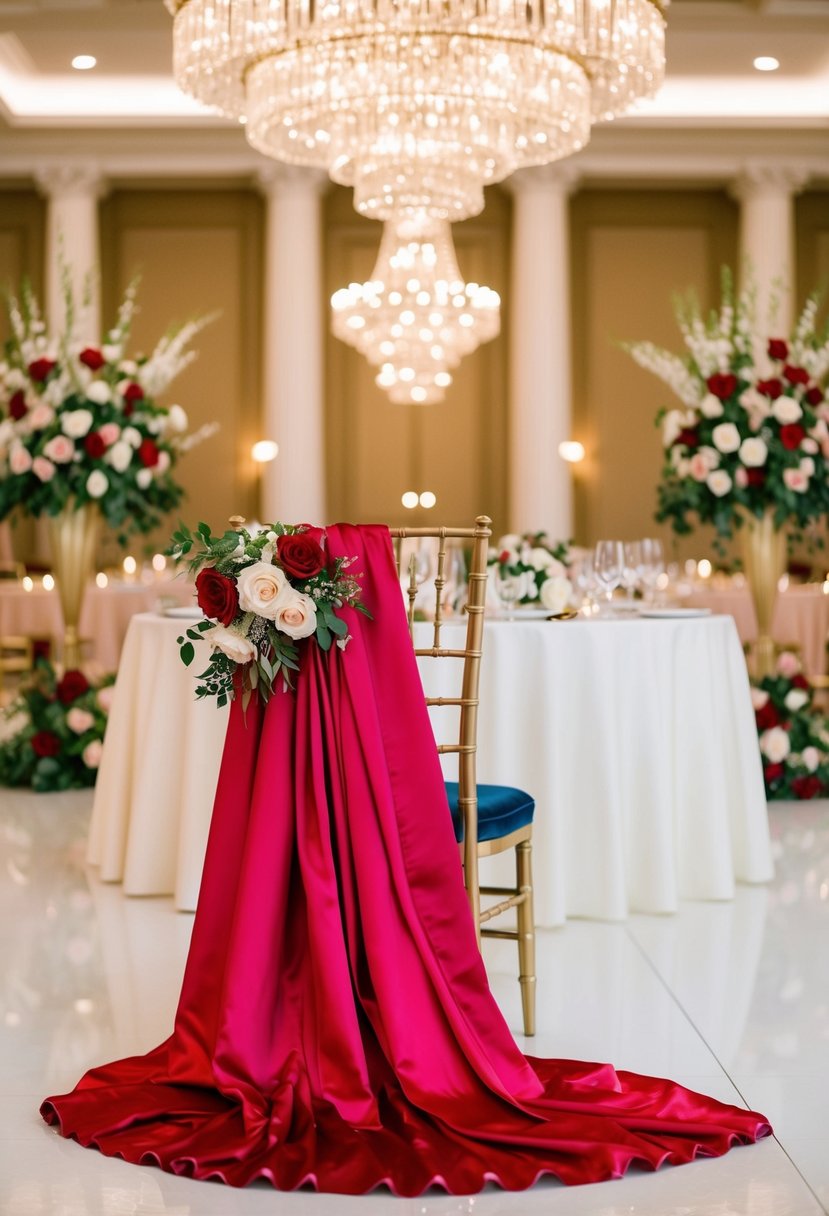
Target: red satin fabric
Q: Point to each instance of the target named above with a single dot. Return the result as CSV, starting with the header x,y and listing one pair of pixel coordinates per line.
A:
x,y
335,1026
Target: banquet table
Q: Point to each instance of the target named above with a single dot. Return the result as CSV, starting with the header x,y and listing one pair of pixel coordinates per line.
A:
x,y
106,614
635,737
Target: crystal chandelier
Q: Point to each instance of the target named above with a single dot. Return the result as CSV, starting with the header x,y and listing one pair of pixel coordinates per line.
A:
x,y
415,318
418,104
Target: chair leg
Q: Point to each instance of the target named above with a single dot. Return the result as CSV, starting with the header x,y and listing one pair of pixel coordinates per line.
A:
x,y
526,933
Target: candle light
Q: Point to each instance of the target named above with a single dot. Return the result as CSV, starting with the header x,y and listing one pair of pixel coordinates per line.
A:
x,y
704,568
28,583
48,583
130,566
159,563
101,579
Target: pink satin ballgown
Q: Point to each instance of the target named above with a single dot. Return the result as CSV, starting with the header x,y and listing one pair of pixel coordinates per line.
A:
x,y
335,1027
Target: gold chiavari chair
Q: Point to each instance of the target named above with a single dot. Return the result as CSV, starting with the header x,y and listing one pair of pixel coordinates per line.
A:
x,y
488,819
16,658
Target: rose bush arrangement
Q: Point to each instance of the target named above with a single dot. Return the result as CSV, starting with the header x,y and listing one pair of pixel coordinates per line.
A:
x,y
261,594
753,429
59,746
79,421
794,741
538,567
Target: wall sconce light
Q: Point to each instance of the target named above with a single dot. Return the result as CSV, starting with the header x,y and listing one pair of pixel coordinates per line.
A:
x,y
411,499
571,450
264,451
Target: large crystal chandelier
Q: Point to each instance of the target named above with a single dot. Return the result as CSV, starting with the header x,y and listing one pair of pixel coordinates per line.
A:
x,y
415,318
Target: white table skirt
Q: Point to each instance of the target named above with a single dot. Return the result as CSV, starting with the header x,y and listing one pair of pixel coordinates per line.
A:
x,y
636,739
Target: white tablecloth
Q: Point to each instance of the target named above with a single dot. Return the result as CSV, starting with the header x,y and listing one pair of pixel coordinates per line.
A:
x,y
636,739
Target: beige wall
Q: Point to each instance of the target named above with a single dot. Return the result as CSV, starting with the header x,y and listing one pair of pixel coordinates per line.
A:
x,y
812,245
632,250
375,450
197,252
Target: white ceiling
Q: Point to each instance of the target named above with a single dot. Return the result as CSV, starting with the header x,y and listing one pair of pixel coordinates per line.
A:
x,y
711,45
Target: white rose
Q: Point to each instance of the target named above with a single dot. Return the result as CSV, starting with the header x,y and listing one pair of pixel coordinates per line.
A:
x,y
754,402
120,456
775,745
98,391
132,436
110,352
97,484
76,423
128,366
555,594
759,697
92,753
796,699
786,410
753,452
811,758
296,614
555,569
177,419
238,648
807,466
79,720
726,437
674,422
718,482
143,478
539,559
511,541
259,589
809,445
711,406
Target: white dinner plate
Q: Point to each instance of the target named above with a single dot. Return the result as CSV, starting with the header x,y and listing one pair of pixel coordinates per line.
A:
x,y
658,613
186,614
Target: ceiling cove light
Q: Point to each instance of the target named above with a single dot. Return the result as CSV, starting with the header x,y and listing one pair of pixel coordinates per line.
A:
x,y
766,63
84,63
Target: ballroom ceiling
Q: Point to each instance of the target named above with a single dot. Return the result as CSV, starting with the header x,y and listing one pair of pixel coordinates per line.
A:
x,y
711,46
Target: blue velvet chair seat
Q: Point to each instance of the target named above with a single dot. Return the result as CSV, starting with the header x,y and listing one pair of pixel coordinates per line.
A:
x,y
501,810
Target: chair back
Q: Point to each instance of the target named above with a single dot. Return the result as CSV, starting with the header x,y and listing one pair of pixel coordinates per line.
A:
x,y
470,656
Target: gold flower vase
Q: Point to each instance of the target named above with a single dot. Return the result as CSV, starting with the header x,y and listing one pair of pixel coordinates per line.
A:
x,y
763,549
73,534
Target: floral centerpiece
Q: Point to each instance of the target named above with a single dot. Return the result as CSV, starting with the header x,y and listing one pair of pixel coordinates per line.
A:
x,y
59,745
794,741
752,431
534,570
262,593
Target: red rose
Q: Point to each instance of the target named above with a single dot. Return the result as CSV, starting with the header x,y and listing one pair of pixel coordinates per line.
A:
x,y
91,358
217,595
814,396
756,477
95,446
73,685
796,375
807,787
777,348
504,556
767,717
792,435
17,405
45,743
771,772
689,436
300,555
132,392
148,453
722,384
800,681
40,369
770,388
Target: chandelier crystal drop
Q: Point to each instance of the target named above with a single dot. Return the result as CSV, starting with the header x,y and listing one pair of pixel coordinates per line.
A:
x,y
418,104
415,318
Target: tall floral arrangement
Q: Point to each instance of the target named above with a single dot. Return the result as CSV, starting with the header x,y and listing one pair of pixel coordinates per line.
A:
x,y
794,740
80,421
538,568
752,428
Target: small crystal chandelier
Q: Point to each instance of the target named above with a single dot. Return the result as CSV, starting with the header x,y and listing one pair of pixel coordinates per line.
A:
x,y
415,318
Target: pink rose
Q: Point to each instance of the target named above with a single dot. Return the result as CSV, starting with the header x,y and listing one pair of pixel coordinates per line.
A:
x,y
109,432
79,720
42,415
699,467
811,758
759,698
20,460
788,664
61,449
741,478
796,480
42,468
104,697
809,445
92,753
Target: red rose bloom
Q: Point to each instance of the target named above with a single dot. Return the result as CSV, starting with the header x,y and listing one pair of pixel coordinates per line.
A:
x,y
756,477
792,435
503,556
796,375
300,555
148,453
807,787
771,772
814,396
770,388
45,743
767,717
91,358
73,685
40,369
800,681
133,392
689,436
777,348
95,446
17,405
722,384
217,595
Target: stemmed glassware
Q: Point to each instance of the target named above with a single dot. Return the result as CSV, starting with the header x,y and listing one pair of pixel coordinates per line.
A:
x,y
507,588
652,566
609,565
632,572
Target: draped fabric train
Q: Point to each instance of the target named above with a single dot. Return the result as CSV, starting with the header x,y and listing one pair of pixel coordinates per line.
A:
x,y
335,1026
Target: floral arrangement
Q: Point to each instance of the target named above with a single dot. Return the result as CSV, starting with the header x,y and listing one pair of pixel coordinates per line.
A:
x,y
261,594
537,567
80,421
794,741
753,429
59,747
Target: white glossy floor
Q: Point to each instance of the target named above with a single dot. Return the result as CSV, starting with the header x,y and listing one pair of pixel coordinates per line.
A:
x,y
729,998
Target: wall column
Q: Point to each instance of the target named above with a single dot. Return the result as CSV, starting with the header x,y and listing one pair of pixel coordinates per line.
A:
x,y
539,352
72,243
293,486
766,196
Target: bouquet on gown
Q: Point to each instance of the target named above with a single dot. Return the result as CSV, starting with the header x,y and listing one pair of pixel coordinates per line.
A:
x,y
261,593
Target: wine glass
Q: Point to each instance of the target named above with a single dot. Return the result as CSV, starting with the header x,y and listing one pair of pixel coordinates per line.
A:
x,y
507,588
609,564
653,565
632,572
454,576
586,583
